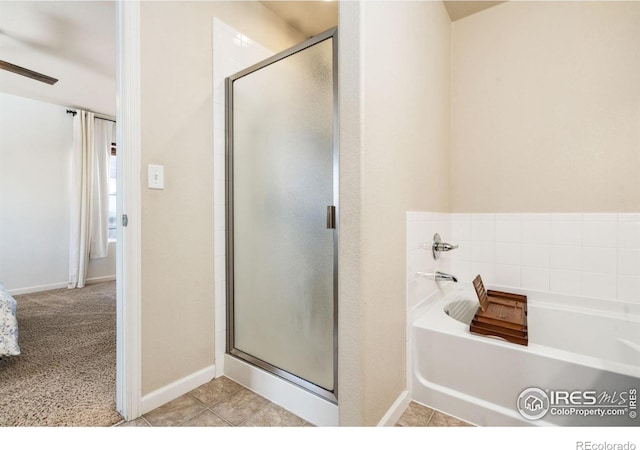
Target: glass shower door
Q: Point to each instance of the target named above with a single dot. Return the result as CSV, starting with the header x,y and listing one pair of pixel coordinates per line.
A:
x,y
281,215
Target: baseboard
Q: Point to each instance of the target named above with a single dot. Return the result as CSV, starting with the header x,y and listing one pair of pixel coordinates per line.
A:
x,y
301,402
60,285
174,390
392,416
95,280
40,288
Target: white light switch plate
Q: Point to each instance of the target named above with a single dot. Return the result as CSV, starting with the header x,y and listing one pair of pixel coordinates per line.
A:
x,y
155,176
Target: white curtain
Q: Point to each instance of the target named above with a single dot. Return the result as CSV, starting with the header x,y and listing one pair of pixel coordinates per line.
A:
x,y
89,194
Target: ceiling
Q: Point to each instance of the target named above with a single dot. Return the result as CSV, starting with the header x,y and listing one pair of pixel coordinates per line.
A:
x,y
309,17
313,17
69,40
74,41
459,9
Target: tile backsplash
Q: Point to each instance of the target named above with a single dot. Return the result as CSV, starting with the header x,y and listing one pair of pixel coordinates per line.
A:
x,y
590,254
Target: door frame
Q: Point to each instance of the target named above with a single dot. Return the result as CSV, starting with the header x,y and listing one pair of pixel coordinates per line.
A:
x,y
332,395
128,257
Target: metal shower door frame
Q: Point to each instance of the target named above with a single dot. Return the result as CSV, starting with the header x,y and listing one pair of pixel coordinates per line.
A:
x,y
332,395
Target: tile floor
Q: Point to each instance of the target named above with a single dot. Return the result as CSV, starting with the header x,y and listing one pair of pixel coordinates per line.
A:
x,y
224,403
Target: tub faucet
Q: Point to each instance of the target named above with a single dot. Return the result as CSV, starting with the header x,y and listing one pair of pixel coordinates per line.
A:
x,y
438,276
437,246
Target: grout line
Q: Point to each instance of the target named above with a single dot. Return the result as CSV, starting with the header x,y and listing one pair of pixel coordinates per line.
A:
x,y
146,421
220,417
433,411
255,413
190,417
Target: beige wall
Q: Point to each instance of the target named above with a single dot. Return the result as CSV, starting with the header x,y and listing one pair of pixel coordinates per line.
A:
x,y
177,222
546,108
394,158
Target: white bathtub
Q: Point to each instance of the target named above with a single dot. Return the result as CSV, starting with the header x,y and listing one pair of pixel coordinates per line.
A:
x,y
575,344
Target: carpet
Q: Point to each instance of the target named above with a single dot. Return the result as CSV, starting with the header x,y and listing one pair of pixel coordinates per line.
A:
x,y
66,374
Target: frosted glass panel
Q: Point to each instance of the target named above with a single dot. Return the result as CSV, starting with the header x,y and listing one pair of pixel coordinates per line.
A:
x,y
282,184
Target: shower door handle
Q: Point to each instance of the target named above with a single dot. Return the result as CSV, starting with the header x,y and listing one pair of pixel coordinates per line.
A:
x,y
331,217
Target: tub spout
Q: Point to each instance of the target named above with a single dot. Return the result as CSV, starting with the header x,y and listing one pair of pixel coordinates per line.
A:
x,y
438,276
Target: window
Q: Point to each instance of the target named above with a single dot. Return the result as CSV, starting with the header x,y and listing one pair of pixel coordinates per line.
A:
x,y
113,224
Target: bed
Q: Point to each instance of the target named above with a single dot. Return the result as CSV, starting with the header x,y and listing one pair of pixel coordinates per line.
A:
x,y
8,324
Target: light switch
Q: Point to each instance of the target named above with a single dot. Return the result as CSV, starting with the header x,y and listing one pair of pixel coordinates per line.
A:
x,y
155,176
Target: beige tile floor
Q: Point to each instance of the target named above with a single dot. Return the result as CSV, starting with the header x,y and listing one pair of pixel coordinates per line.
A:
x,y
224,403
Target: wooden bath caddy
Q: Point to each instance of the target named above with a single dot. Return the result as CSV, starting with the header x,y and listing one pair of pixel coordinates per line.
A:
x,y
500,314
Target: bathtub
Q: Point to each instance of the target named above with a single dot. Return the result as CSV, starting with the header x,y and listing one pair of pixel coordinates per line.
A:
x,y
583,353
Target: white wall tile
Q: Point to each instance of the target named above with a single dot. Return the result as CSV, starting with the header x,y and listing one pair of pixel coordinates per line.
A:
x,y
565,217
566,233
599,285
220,319
461,270
628,234
628,262
484,269
565,281
218,198
220,344
629,217
219,245
218,141
418,289
600,234
219,268
483,217
534,278
530,217
483,227
219,217
482,251
507,275
566,257
460,229
508,253
508,217
602,260
463,252
417,234
419,261
628,289
508,231
535,231
535,255
600,217
590,254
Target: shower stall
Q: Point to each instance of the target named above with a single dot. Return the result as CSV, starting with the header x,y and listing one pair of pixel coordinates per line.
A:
x,y
282,215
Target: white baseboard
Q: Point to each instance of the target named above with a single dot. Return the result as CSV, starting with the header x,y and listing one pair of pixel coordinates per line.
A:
x,y
60,285
174,390
392,416
301,402
40,288
95,280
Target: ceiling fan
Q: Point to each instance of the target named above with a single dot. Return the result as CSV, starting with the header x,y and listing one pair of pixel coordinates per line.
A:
x,y
27,73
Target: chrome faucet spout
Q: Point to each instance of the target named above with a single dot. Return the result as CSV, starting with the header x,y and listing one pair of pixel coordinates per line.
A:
x,y
438,276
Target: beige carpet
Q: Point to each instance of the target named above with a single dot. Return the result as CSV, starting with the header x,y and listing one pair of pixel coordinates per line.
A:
x,y
66,374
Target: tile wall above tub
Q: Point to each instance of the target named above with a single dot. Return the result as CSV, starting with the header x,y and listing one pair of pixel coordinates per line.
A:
x,y
592,255
583,254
